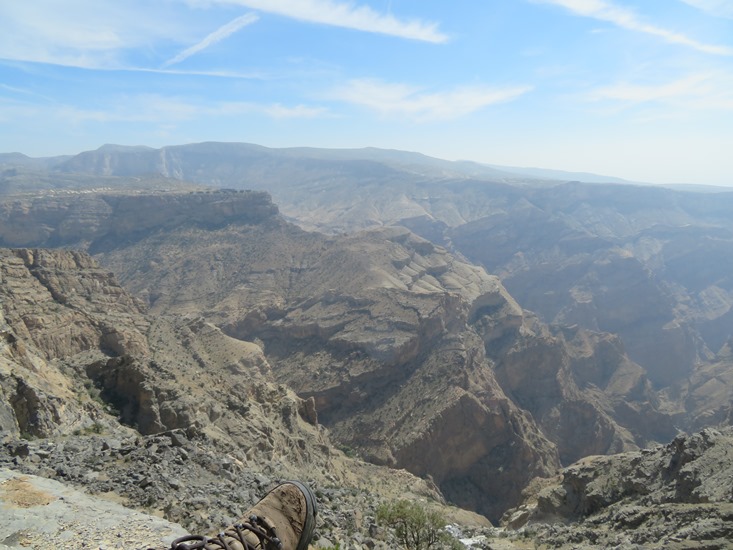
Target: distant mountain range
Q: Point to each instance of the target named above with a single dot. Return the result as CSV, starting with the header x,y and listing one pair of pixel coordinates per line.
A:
x,y
404,160
562,175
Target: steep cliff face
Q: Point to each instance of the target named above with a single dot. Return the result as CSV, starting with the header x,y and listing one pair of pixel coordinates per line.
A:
x,y
77,352
80,218
405,382
64,303
663,290
583,391
55,305
707,395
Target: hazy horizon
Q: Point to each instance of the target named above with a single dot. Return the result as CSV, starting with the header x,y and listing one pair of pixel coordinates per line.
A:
x,y
532,172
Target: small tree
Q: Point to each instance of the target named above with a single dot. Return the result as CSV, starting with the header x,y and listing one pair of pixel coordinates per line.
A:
x,y
415,527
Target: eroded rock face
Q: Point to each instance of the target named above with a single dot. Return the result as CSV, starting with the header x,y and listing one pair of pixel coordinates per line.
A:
x,y
75,347
658,495
707,395
583,391
78,219
64,303
588,255
55,305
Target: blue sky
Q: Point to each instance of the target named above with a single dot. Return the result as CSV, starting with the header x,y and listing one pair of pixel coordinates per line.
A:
x,y
639,89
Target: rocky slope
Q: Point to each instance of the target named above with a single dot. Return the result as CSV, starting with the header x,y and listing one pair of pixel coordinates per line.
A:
x,y
57,305
42,513
678,495
199,485
68,323
707,394
672,496
77,346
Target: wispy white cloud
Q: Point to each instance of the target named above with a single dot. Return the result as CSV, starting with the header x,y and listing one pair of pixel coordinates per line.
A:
x,y
273,110
345,14
12,111
81,33
157,109
709,91
410,101
192,72
217,36
277,110
719,8
24,92
628,19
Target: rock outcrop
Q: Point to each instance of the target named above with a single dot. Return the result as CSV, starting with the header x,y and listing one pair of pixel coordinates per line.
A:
x,y
706,396
56,305
78,352
678,495
76,219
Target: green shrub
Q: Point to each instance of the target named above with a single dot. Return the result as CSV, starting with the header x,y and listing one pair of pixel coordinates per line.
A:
x,y
95,428
415,527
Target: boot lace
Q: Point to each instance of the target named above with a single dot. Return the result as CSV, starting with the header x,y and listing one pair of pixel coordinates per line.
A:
x,y
223,541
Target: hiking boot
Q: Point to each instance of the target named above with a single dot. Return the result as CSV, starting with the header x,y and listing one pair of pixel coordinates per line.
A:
x,y
283,520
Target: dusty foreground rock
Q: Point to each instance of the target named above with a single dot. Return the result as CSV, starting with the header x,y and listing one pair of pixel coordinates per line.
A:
x,y
42,513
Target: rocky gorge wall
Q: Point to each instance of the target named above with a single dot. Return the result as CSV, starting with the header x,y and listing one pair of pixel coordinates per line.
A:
x,y
411,356
399,344
78,218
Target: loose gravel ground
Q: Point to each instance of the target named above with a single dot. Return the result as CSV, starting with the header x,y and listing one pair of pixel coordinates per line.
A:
x,y
41,513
